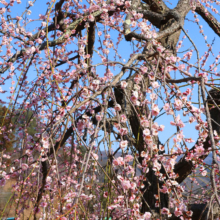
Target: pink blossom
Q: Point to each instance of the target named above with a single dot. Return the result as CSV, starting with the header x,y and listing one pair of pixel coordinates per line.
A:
x,y
80,125
107,36
138,78
123,144
161,128
128,158
146,132
153,96
178,104
192,119
166,211
105,194
38,40
144,123
144,69
189,140
187,92
30,3
109,74
118,161
132,198
91,18
204,173
128,4
155,110
135,94
133,24
105,51
199,150
179,136
134,99
164,189
161,147
203,134
44,204
189,156
31,50
113,207
49,179
154,132
160,49
12,169
156,166
24,166
95,83
69,86
177,212
2,173
147,216
123,84
144,154
173,59
117,107
148,139
126,184
95,156
98,117
123,131
123,118
155,85
189,213
151,76
166,107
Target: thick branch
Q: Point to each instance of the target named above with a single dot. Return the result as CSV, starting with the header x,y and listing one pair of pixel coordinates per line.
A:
x,y
157,6
153,17
183,7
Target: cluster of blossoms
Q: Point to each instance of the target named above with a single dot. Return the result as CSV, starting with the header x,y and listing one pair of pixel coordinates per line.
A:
x,y
79,130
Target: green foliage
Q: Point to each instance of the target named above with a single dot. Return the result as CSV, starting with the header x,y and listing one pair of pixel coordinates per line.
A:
x,y
10,125
26,120
7,137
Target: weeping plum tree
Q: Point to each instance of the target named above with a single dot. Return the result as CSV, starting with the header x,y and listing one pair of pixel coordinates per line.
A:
x,y
114,79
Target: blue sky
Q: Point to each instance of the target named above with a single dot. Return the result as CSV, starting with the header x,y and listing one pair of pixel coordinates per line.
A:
x,y
125,49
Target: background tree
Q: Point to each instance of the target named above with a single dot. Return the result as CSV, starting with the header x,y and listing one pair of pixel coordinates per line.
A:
x,y
7,137
101,79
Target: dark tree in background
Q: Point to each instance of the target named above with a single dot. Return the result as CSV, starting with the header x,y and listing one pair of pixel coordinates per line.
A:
x,y
7,137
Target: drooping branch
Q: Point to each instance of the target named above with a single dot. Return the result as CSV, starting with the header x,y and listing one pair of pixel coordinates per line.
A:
x,y
209,18
184,167
69,131
152,16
